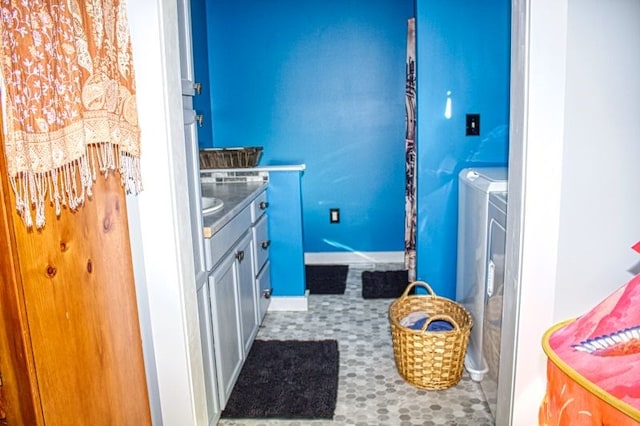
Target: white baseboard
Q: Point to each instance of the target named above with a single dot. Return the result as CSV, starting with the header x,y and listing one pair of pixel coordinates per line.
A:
x,y
346,258
288,303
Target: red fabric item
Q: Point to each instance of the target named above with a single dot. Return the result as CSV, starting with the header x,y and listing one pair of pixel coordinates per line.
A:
x,y
600,352
636,247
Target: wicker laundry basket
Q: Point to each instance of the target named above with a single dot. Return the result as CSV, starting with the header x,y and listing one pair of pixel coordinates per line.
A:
x,y
429,359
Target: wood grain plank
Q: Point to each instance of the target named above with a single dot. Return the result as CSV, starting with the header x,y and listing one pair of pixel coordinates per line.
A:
x,y
81,308
19,396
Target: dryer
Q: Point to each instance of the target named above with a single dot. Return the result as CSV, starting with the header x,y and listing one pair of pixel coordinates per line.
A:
x,y
493,295
476,185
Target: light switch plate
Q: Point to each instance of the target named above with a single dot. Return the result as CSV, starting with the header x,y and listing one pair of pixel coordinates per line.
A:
x,y
473,125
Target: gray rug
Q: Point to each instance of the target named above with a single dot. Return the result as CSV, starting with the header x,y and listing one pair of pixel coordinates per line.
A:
x,y
287,379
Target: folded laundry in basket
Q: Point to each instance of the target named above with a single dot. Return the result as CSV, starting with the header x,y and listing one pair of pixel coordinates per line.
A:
x,y
416,320
412,318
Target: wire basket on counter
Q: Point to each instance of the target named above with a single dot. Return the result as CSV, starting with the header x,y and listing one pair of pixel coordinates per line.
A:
x,y
230,158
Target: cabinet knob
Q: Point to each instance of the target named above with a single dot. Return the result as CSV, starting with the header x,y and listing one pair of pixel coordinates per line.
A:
x,y
267,294
263,205
240,255
265,244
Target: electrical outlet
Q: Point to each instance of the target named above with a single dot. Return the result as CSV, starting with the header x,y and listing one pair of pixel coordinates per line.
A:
x,y
473,125
334,215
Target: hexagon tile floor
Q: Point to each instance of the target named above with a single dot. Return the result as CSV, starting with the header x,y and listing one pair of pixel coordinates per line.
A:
x,y
370,390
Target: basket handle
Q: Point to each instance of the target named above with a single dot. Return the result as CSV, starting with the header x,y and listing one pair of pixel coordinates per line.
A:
x,y
445,317
421,284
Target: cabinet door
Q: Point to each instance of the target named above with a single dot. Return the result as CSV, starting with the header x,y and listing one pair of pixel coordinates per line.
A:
x,y
246,291
191,122
226,325
208,353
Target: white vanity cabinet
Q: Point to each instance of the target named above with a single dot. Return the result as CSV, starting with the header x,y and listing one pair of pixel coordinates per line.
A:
x,y
230,318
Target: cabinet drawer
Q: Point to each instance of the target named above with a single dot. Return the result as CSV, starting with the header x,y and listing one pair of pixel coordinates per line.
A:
x,y
261,242
263,287
216,246
259,206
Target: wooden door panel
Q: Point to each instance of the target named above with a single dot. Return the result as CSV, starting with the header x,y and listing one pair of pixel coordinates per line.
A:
x,y
81,307
20,399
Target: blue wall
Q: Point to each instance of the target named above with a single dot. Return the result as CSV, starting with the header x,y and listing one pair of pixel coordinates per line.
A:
x,y
462,47
319,82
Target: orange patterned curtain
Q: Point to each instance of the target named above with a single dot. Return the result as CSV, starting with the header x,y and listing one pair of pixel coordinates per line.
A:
x,y
68,100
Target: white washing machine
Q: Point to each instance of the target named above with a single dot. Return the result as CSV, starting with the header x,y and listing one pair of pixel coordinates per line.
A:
x,y
476,185
493,296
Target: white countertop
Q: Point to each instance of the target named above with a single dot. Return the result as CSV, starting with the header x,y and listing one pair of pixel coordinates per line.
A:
x,y
236,196
280,168
236,188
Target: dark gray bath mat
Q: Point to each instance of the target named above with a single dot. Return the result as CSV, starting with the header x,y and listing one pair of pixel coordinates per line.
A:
x,y
384,284
287,379
326,279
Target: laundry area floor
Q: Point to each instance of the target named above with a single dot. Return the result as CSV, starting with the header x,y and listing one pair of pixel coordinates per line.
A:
x,y
370,390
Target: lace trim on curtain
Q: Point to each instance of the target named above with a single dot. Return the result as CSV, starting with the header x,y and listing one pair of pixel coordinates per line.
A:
x,y
70,184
